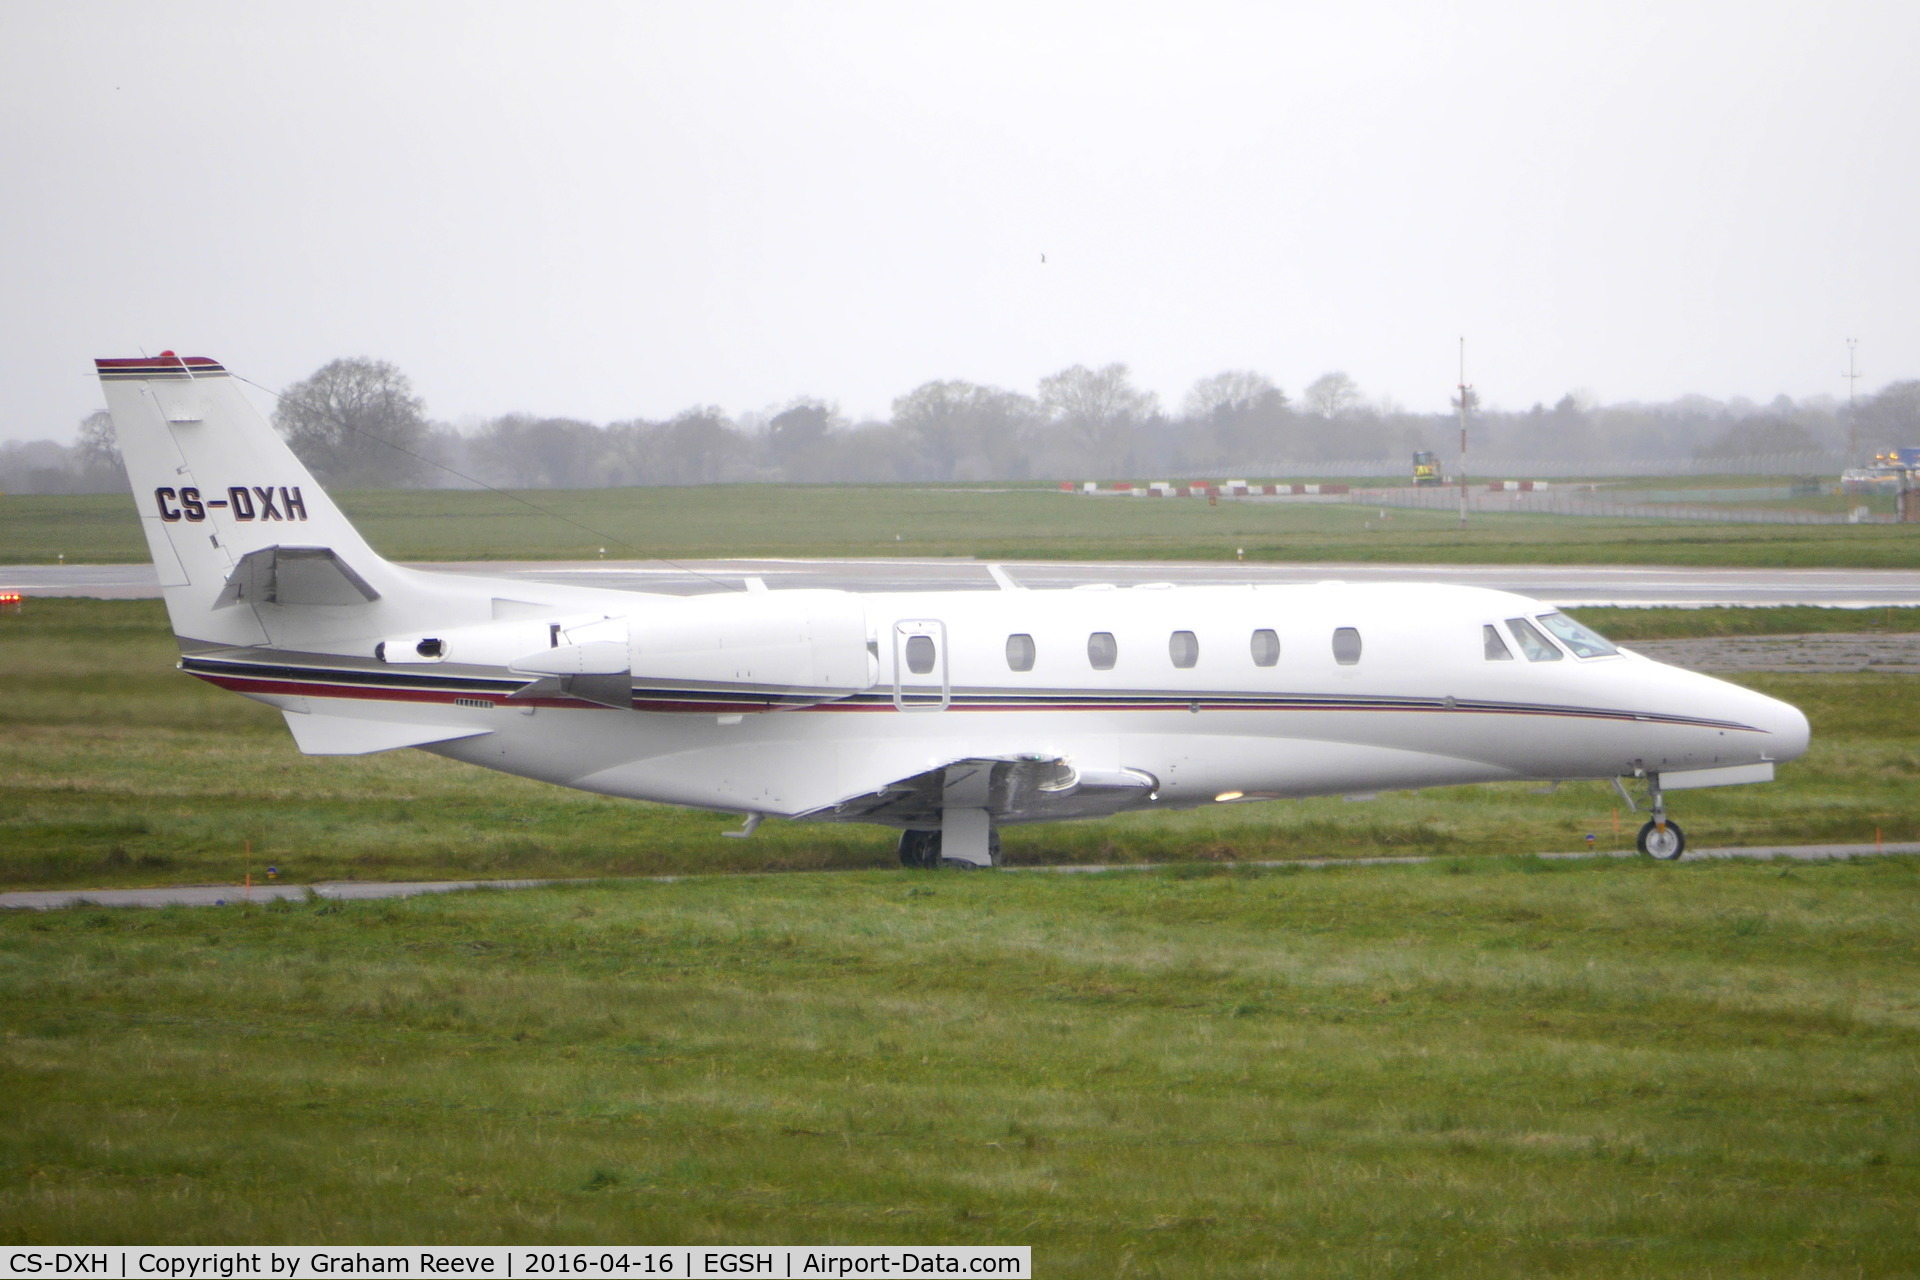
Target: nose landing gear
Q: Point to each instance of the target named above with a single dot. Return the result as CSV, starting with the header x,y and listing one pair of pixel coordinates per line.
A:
x,y
1661,838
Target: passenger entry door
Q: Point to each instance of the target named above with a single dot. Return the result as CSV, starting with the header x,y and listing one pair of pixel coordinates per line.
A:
x,y
920,678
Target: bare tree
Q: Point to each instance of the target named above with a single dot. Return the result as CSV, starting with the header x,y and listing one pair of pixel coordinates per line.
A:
x,y
1890,417
699,446
1235,418
1099,410
97,455
962,430
1233,393
357,423
1759,435
1331,394
543,453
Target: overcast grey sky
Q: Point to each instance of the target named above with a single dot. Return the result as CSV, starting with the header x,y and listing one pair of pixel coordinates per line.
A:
x,y
615,210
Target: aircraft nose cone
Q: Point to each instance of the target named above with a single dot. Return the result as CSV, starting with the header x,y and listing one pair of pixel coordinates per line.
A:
x,y
1783,724
1786,726
1782,729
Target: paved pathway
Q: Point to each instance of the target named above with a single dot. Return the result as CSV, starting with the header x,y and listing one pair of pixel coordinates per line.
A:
x,y
1565,585
227,895
213,895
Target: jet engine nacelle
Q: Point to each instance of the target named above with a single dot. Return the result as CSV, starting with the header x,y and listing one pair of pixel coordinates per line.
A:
x,y
793,647
807,643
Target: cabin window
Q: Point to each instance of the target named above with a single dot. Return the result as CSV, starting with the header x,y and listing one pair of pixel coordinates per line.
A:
x,y
1184,648
1266,647
1497,650
920,654
1102,650
1346,645
1536,646
1020,652
1584,643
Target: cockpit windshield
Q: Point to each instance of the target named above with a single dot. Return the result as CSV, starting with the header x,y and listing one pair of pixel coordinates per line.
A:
x,y
1584,642
1536,646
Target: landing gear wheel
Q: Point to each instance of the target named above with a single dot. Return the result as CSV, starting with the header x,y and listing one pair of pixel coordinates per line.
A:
x,y
1665,845
920,850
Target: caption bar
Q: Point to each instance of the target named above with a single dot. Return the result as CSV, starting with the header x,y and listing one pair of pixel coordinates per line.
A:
x,y
601,1262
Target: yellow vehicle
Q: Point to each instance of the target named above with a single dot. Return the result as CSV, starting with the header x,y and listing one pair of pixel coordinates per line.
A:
x,y
1426,470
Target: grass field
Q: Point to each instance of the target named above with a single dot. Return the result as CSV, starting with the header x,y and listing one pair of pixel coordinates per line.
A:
x,y
1012,524
1482,1066
1477,1068
116,769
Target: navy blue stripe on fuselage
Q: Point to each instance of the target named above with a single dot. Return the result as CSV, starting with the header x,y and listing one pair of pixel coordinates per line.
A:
x,y
364,682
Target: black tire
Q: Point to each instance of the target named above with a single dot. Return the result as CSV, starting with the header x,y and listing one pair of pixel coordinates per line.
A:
x,y
920,850
1663,847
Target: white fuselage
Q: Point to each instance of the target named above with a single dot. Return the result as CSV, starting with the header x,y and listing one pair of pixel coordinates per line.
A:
x,y
1420,705
949,711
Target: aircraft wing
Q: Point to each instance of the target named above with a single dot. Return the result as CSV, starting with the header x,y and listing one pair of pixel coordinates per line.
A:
x,y
881,780
1017,788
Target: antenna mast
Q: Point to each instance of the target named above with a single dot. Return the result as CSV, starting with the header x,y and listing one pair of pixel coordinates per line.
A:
x,y
1853,429
1464,390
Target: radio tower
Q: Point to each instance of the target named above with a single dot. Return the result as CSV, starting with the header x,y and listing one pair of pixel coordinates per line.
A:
x,y
1853,430
1464,389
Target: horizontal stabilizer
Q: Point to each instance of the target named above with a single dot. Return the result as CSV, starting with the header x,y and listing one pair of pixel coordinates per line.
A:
x,y
294,575
324,735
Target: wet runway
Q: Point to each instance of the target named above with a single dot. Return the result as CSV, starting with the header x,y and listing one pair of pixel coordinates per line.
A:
x,y
1565,585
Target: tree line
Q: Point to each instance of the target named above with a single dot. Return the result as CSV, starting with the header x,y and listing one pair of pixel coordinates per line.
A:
x,y
357,423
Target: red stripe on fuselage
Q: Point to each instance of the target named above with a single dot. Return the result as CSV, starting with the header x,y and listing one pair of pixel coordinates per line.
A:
x,y
447,697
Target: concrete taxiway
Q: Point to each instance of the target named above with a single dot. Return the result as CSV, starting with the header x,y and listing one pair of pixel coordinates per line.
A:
x,y
228,895
1564,585
205,895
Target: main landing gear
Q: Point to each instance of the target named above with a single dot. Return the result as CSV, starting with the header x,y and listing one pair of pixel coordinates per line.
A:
x,y
1661,838
966,837
920,851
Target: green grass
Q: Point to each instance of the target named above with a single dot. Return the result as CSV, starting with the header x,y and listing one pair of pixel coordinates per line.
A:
x,y
115,769
1501,1068
1480,1066
1012,524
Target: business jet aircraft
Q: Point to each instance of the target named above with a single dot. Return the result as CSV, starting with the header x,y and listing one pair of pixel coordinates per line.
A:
x,y
943,714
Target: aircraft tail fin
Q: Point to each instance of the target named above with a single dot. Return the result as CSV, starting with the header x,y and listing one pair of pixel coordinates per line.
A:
x,y
231,516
